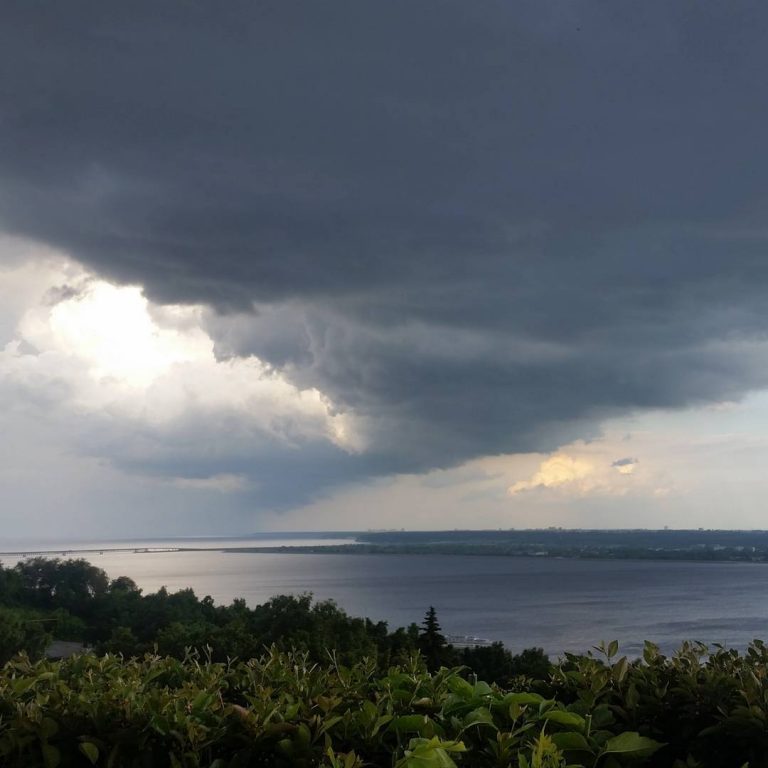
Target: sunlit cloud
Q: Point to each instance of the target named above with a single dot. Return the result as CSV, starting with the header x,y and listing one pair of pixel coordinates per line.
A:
x,y
558,470
111,329
133,379
584,469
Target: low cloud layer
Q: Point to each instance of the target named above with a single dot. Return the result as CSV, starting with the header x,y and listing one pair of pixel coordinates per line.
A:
x,y
469,229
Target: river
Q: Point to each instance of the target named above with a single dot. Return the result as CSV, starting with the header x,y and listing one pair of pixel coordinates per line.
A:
x,y
556,604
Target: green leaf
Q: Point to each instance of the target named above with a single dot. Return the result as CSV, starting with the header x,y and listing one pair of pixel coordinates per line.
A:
x,y
650,652
23,684
48,728
51,755
460,687
613,648
570,741
430,753
620,669
90,750
521,699
420,724
114,756
570,719
482,688
201,701
602,716
479,716
631,743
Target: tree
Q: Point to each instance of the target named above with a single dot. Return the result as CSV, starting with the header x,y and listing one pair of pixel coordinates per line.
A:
x,y
124,585
533,663
432,643
492,663
19,632
54,583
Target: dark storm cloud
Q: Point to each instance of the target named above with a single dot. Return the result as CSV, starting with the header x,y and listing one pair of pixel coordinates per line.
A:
x,y
283,468
480,226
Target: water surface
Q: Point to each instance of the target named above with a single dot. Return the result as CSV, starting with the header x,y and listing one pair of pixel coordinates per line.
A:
x,y
558,604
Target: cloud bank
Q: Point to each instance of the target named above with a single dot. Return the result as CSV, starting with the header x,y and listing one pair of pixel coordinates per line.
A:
x,y
467,229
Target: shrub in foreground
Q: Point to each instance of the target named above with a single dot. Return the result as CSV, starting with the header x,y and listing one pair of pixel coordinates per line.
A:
x,y
281,709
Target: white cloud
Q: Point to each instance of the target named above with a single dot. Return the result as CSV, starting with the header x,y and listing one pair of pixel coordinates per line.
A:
x,y
102,349
584,469
110,329
99,372
556,471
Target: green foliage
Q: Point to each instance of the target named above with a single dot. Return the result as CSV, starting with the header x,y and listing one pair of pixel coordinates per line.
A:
x,y
50,582
21,629
73,600
497,664
696,709
710,707
284,710
187,683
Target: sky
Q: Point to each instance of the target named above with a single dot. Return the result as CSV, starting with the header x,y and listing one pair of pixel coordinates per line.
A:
x,y
345,265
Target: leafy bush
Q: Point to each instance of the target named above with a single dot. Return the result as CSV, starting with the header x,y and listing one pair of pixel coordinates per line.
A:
x,y
711,708
21,629
696,708
283,710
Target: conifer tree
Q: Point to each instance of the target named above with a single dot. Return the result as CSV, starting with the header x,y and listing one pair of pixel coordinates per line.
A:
x,y
432,643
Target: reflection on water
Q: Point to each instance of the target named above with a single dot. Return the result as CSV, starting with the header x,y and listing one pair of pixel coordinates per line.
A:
x,y
557,604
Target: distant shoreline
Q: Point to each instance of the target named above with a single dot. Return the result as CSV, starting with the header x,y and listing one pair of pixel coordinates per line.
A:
x,y
491,551
582,544
473,550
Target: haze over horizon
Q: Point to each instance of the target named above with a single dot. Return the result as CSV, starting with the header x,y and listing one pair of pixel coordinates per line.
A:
x,y
302,266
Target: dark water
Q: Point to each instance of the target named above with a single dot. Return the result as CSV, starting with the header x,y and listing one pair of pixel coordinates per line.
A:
x,y
556,604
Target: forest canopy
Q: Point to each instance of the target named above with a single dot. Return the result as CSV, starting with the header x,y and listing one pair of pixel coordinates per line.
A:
x,y
46,598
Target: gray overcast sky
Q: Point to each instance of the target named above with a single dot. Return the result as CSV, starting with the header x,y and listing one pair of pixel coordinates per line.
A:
x,y
265,262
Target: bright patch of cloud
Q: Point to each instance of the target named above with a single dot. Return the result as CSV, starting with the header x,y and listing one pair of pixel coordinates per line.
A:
x,y
105,348
137,384
111,329
556,471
